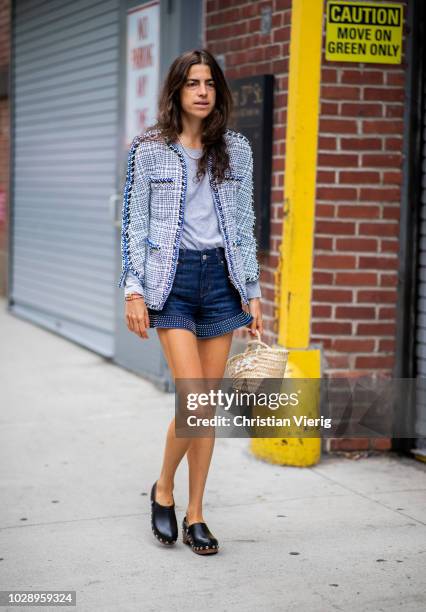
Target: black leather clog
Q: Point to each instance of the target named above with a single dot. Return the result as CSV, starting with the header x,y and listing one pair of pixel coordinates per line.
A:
x,y
200,538
163,520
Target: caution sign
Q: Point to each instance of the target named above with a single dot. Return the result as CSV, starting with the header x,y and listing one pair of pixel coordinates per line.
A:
x,y
364,32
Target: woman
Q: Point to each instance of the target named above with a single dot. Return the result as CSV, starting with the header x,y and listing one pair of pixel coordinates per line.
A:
x,y
189,258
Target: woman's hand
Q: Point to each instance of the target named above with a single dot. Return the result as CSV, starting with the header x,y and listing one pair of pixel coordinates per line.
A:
x,y
137,317
255,309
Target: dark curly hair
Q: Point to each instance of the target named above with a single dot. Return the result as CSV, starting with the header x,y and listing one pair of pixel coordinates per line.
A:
x,y
169,120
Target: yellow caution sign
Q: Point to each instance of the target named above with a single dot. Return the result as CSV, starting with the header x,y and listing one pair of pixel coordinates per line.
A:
x,y
364,32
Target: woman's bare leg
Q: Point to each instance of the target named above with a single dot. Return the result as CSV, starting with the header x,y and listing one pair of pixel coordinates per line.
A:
x,y
181,353
213,354
189,357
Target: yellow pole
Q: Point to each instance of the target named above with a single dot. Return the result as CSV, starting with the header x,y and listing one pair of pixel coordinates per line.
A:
x,y
296,250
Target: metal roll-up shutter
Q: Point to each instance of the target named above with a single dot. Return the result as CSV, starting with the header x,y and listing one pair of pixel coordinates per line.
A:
x,y
64,166
420,424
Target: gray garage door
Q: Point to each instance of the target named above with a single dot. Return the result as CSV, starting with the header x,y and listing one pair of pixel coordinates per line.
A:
x,y
65,119
421,311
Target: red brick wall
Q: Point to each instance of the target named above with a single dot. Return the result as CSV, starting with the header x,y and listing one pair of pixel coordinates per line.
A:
x,y
357,215
232,28
358,196
358,186
359,179
4,142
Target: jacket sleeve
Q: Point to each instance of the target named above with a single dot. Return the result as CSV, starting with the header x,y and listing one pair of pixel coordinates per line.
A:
x,y
246,220
253,290
132,284
135,217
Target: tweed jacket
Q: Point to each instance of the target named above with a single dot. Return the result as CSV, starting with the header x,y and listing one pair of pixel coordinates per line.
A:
x,y
153,214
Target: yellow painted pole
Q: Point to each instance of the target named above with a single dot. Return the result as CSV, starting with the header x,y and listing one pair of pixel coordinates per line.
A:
x,y
296,250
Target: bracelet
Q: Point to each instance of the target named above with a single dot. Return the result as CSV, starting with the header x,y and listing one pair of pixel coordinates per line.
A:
x,y
133,296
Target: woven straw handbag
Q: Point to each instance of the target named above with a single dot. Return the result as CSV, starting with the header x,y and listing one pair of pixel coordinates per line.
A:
x,y
258,361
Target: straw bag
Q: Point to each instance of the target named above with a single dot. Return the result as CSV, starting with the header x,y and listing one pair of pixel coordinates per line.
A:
x,y
258,361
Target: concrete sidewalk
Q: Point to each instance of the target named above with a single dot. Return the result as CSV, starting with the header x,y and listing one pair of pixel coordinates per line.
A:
x,y
82,443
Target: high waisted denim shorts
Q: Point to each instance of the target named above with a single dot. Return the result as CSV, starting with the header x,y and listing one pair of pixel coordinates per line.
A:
x,y
202,298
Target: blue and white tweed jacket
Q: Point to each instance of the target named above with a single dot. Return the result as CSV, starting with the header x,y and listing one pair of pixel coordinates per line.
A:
x,y
153,214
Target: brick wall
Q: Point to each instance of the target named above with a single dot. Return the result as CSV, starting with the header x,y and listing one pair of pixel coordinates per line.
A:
x,y
357,215
4,140
359,178
232,29
358,185
358,195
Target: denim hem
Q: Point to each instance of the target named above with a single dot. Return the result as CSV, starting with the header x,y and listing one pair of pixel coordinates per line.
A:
x,y
201,330
218,328
171,321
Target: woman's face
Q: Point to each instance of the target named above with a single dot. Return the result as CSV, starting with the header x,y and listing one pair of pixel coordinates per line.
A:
x,y
198,94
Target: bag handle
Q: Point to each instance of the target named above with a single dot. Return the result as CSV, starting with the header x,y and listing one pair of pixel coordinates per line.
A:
x,y
250,343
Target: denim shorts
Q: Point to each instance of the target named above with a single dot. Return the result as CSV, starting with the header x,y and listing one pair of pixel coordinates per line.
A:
x,y
202,298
